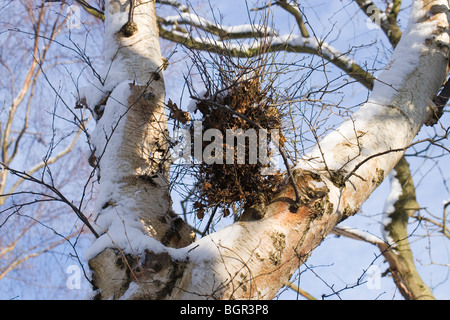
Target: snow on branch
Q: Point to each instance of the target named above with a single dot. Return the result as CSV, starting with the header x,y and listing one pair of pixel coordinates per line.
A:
x,y
170,29
231,32
174,3
357,234
271,43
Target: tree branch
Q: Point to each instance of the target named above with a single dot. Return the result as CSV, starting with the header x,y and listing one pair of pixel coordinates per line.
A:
x,y
387,20
287,43
396,249
297,44
294,10
400,257
223,32
59,195
97,13
299,290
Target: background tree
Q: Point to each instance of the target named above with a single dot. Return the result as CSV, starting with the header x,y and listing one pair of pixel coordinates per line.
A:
x,y
324,164
32,138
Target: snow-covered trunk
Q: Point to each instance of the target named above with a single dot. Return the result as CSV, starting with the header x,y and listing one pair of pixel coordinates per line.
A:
x,y
252,259
131,150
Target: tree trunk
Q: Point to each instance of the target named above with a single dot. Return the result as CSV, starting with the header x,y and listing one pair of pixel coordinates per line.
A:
x,y
130,140
142,253
399,255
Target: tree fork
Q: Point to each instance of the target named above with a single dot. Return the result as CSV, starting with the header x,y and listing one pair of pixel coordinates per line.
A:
x,y
254,259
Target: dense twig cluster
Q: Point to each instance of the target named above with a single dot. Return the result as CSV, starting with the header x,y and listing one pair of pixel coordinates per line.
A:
x,y
239,102
222,184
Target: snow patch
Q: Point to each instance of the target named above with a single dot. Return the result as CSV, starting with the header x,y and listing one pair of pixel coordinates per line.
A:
x,y
392,198
359,234
193,19
116,222
405,58
107,135
211,245
132,289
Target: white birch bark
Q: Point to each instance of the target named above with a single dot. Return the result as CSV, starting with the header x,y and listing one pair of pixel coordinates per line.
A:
x,y
254,259
130,140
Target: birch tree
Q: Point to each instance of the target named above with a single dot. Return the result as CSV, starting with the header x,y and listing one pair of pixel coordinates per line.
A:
x,y
236,262
144,250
